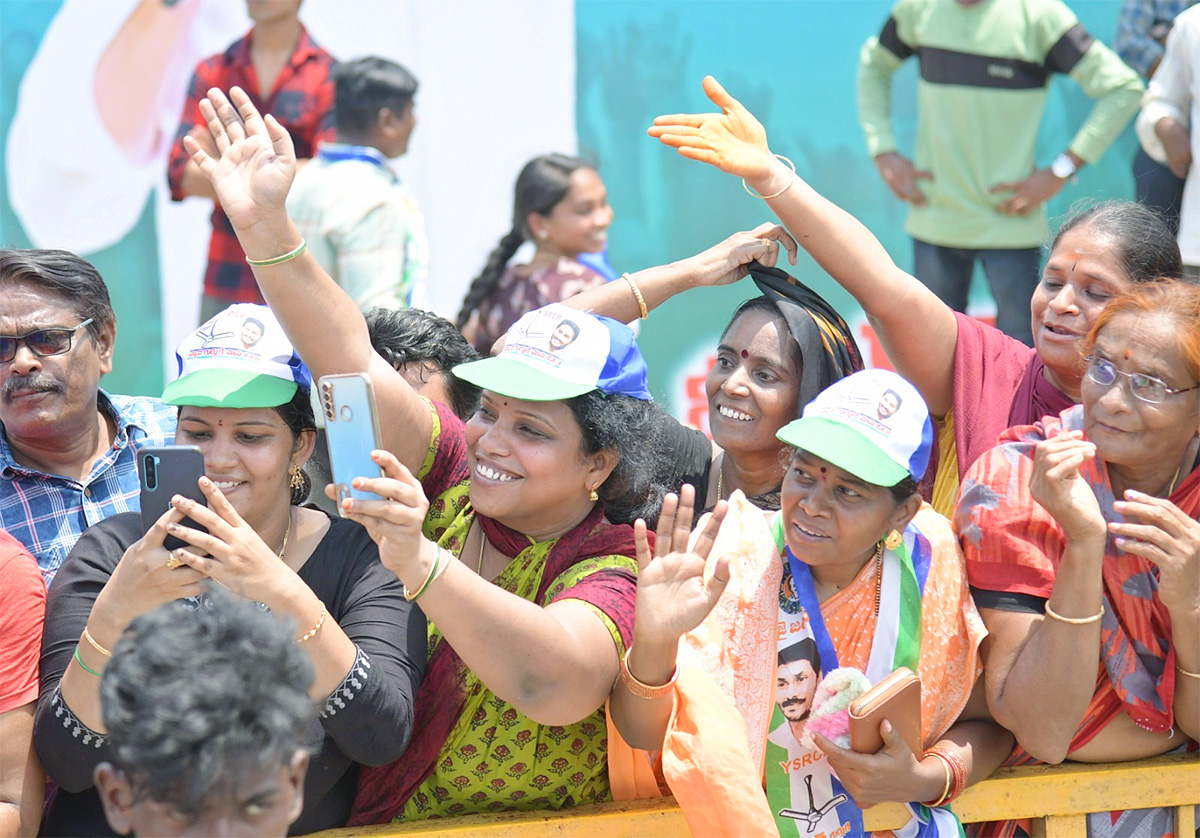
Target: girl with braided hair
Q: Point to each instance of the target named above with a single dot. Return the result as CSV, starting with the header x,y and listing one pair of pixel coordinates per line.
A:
x,y
562,206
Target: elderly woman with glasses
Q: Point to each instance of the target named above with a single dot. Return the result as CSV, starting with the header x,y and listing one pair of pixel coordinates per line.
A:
x,y
1083,551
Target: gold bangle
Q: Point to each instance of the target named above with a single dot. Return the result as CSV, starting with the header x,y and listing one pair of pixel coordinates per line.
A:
x,y
278,260
435,571
949,779
308,635
637,294
1183,671
92,642
641,690
1073,621
781,191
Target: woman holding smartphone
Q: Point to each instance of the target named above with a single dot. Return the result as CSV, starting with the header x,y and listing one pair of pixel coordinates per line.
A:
x,y
512,531
248,412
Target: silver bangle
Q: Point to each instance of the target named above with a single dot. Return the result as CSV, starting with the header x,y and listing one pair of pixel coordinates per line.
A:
x,y
781,191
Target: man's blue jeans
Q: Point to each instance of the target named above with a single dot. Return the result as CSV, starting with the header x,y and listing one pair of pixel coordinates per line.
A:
x,y
1157,187
1011,274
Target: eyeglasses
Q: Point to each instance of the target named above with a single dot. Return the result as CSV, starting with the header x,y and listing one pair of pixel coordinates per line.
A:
x,y
1145,387
42,342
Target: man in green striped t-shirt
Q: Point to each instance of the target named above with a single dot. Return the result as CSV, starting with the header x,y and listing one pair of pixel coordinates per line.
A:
x,y
976,191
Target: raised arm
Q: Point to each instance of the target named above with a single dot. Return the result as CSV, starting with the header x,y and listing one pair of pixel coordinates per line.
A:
x,y
917,330
251,173
722,264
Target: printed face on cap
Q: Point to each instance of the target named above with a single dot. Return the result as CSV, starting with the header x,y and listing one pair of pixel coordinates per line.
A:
x,y
564,335
252,332
240,358
889,403
557,352
873,424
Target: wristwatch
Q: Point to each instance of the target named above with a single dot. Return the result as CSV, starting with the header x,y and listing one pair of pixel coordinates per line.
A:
x,y
1063,167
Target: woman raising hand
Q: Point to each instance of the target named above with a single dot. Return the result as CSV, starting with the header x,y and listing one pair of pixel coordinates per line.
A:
x,y
975,380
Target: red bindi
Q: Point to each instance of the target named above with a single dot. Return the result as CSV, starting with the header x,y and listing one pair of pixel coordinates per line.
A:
x,y
220,423
745,354
1127,354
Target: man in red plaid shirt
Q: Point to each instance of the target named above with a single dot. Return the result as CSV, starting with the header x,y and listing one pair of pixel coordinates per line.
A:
x,y
286,74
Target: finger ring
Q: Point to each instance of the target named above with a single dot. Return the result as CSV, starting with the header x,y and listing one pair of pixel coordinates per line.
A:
x,y
766,242
174,562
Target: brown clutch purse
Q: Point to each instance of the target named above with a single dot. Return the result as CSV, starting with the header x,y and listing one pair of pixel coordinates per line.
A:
x,y
896,698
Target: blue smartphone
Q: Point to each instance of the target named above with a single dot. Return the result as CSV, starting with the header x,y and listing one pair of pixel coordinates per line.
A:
x,y
351,432
165,471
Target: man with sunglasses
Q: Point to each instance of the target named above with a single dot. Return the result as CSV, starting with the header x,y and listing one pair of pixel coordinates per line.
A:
x,y
67,448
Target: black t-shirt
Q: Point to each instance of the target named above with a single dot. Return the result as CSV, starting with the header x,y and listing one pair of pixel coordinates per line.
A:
x,y
687,457
367,719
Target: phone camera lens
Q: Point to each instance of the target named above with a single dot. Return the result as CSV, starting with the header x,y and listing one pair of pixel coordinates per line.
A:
x,y
151,472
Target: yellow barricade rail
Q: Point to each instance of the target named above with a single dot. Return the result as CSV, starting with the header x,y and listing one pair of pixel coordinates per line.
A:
x,y
1057,797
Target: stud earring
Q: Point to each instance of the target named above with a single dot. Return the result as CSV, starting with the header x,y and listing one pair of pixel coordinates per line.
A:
x,y
893,539
592,496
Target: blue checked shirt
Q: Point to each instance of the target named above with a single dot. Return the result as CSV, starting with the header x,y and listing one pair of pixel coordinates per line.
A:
x,y
47,513
1142,28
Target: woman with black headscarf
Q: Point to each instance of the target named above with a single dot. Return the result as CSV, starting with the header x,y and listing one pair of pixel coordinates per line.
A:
x,y
778,351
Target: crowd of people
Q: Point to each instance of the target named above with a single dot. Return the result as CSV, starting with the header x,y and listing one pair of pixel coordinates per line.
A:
x,y
549,592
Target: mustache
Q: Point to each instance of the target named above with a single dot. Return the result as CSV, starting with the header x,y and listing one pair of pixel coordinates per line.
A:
x,y
37,382
793,702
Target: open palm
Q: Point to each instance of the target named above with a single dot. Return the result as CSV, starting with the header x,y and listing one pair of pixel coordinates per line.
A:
x,y
733,140
255,160
674,594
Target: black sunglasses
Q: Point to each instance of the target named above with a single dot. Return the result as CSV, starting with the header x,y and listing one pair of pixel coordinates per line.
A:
x,y
41,342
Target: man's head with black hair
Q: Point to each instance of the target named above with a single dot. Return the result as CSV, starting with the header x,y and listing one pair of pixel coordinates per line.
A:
x,y
424,347
206,709
373,104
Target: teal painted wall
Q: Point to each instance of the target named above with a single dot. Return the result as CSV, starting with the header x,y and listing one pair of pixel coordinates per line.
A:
x,y
793,64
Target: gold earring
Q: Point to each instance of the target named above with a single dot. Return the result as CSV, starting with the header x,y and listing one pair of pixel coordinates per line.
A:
x,y
297,478
592,496
893,539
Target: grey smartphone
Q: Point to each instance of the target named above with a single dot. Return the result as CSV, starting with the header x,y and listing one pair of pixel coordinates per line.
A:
x,y
165,471
351,432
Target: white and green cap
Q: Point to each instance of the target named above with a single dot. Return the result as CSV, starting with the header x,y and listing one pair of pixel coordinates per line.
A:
x,y
240,358
557,352
873,424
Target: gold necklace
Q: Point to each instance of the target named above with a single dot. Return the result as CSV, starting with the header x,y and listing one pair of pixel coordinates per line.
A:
x,y
286,533
878,574
721,482
1174,477
482,544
